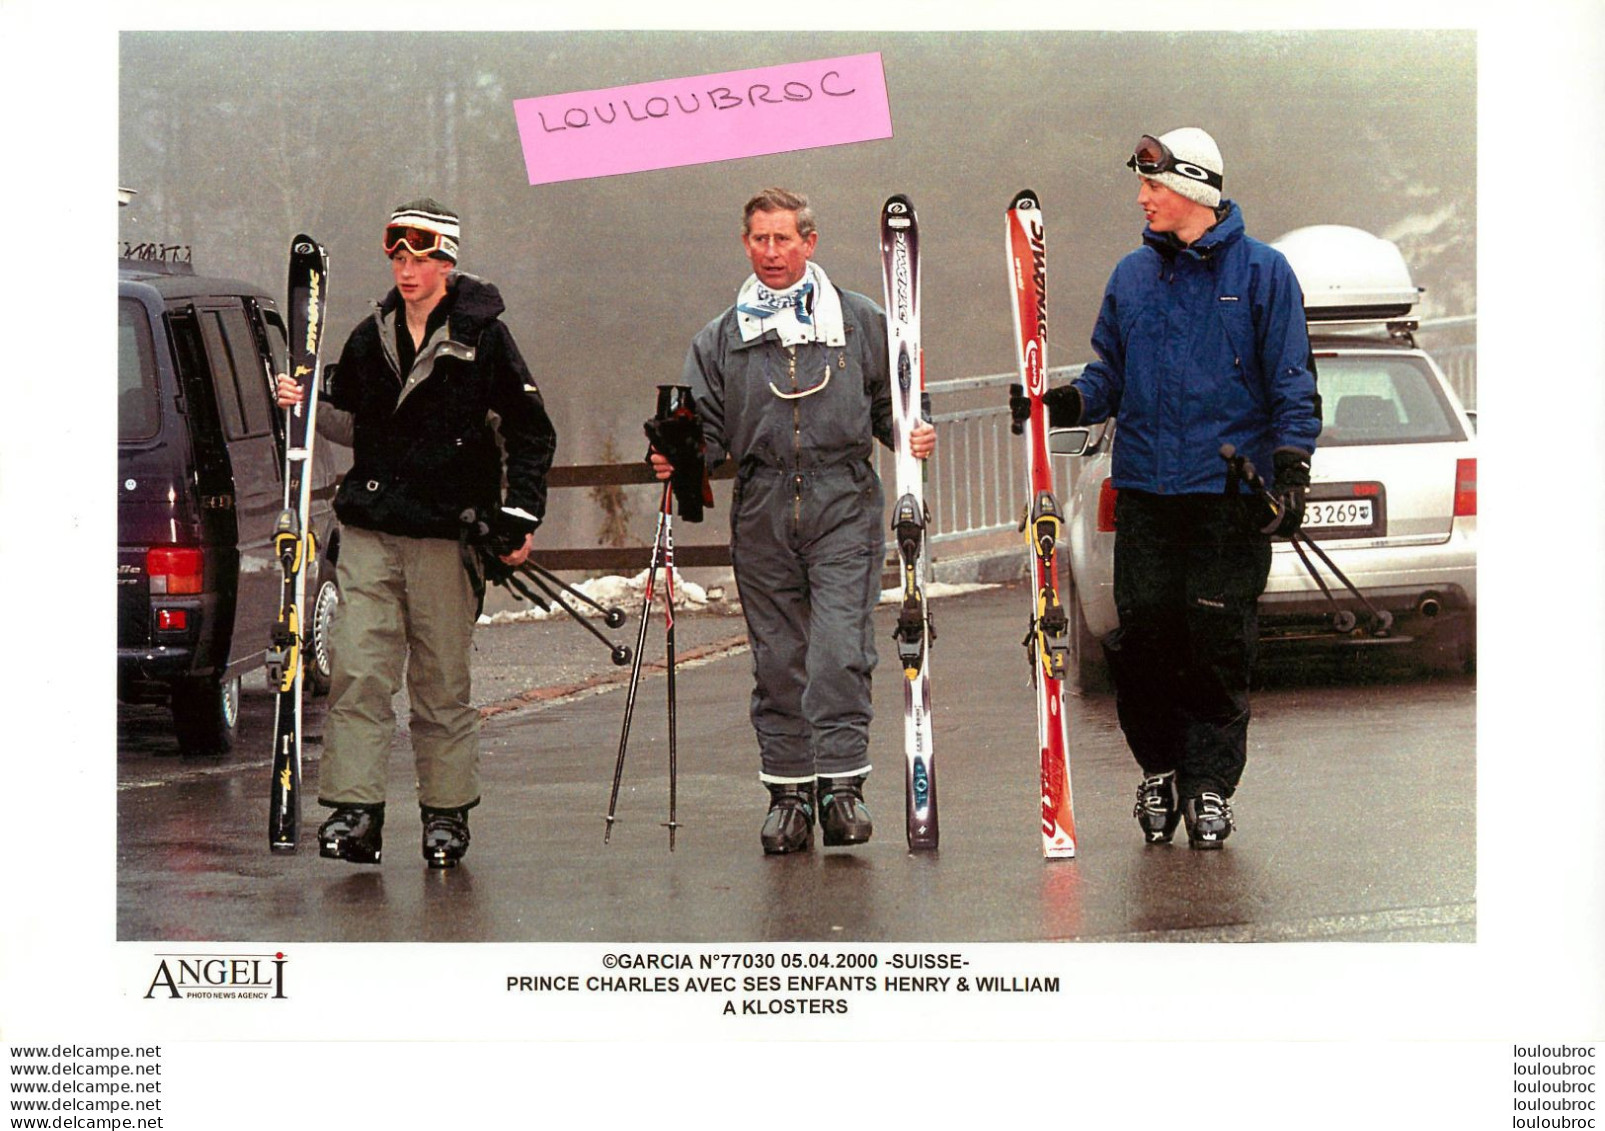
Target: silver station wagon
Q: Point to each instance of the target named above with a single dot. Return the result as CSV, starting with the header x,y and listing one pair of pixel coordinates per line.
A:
x,y
1393,500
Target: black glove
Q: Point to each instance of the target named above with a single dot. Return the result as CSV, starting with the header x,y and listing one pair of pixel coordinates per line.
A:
x,y
483,537
1063,405
1291,485
494,532
678,437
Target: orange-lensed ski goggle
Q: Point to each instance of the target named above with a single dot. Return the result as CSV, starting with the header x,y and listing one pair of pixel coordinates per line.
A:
x,y
419,241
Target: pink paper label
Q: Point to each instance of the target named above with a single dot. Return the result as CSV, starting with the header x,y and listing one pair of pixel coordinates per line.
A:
x,y
662,125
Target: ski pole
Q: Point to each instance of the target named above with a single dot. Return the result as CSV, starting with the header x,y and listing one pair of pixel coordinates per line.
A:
x,y
1381,618
668,628
621,654
1238,465
635,667
512,582
612,616
484,567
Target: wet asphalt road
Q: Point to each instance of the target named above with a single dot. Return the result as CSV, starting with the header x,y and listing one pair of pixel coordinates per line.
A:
x,y
1341,836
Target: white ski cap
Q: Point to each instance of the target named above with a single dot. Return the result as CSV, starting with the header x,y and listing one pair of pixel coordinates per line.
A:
x,y
1194,169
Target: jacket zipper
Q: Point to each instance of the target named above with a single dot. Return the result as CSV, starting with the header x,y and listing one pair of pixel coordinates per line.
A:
x,y
796,443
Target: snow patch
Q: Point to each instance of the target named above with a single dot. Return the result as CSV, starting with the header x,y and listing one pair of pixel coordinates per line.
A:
x,y
937,589
610,592
627,593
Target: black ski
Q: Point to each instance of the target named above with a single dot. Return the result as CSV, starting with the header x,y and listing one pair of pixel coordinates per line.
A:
x,y
292,539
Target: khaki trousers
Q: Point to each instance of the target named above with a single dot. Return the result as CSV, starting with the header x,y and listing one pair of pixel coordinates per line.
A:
x,y
406,606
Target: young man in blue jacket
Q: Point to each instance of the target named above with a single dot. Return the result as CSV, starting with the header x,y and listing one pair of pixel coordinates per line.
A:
x,y
1200,342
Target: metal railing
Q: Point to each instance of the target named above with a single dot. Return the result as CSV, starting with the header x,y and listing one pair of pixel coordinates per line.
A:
x,y
978,482
977,489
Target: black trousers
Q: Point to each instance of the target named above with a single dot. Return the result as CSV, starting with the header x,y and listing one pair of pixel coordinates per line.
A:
x,y
1189,570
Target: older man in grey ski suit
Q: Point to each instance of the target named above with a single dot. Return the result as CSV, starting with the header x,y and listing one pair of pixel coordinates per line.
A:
x,y
792,383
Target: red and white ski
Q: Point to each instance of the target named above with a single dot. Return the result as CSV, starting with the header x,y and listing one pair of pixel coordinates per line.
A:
x,y
900,266
1047,641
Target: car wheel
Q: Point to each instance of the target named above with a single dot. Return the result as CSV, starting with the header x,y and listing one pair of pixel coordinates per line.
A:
x,y
1086,652
319,670
206,715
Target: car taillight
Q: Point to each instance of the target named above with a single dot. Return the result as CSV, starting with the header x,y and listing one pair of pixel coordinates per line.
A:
x,y
172,620
1106,507
1466,488
174,569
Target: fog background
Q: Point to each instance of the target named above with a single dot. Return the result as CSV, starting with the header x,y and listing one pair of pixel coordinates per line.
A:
x,y
236,141
1537,957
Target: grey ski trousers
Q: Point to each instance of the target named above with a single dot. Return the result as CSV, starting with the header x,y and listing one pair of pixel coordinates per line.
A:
x,y
807,547
406,604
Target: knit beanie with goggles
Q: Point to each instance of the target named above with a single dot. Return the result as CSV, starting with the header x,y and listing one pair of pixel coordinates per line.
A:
x,y
426,228
1186,161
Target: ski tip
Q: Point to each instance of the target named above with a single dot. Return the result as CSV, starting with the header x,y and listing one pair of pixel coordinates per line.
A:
x,y
304,247
897,215
1025,198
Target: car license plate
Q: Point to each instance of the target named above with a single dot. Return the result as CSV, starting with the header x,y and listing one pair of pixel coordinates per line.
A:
x,y
1346,510
1325,514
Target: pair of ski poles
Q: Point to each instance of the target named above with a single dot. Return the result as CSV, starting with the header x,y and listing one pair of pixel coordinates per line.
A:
x,y
1240,468
553,589
675,432
530,572
662,558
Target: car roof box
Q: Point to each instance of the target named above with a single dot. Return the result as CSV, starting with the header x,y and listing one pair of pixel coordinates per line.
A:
x,y
1348,275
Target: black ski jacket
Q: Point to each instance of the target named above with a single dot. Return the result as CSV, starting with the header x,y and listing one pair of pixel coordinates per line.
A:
x,y
430,443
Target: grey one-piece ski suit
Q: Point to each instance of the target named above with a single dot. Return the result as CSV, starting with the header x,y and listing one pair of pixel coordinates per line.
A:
x,y
806,533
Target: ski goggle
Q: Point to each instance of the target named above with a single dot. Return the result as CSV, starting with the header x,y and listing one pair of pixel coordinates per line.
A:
x,y
1152,157
419,241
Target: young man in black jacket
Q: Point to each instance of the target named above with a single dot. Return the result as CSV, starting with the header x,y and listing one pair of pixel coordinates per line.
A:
x,y
422,391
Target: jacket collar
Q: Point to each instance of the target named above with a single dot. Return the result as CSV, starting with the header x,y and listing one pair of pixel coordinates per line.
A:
x,y
474,305
1226,231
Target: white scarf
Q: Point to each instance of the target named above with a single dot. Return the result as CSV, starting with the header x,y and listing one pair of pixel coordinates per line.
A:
x,y
808,311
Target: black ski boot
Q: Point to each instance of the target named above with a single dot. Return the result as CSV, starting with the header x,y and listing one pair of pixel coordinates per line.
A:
x,y
353,834
445,835
1209,820
789,827
843,816
1157,810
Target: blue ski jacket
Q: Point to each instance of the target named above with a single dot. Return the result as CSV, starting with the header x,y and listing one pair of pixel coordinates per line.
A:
x,y
1197,346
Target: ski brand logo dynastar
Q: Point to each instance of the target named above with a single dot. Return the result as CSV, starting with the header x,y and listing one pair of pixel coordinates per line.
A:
x,y
902,277
314,296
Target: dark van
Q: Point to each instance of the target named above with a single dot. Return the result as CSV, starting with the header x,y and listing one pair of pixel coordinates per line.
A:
x,y
199,487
